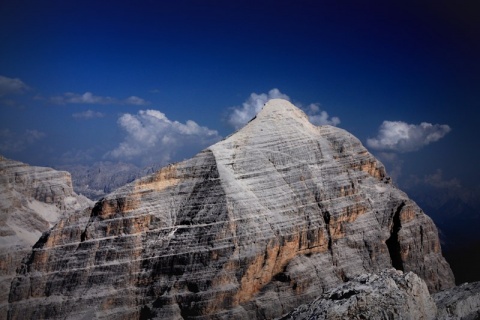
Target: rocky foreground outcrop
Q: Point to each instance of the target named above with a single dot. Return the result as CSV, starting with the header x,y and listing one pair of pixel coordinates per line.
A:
x,y
32,200
462,302
391,295
251,227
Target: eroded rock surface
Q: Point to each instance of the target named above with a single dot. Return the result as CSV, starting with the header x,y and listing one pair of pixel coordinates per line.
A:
x,y
32,200
388,295
252,227
462,302
391,294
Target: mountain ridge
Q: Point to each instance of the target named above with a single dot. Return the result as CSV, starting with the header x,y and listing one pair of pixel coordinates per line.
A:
x,y
32,200
101,178
266,219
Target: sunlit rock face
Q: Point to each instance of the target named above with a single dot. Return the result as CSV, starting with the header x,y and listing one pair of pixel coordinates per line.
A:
x,y
252,227
32,200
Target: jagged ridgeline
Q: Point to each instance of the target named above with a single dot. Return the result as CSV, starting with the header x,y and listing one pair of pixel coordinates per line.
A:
x,y
32,200
251,227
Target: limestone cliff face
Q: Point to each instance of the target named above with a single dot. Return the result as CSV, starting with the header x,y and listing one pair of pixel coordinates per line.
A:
x,y
32,200
252,227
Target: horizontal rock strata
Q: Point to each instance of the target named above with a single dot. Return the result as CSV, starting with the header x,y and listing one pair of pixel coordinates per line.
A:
x,y
251,227
32,200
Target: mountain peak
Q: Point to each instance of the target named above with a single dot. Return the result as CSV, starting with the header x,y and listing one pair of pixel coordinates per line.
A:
x,y
277,121
281,108
250,227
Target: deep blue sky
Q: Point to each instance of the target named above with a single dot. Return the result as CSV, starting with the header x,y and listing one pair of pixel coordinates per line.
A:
x,y
76,75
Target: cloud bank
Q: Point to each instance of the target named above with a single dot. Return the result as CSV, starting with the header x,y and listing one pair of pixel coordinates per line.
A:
x,y
398,136
152,138
90,98
11,86
437,180
435,190
320,117
239,116
13,142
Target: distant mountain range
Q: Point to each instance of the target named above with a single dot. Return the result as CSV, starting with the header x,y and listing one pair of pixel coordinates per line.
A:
x,y
458,220
99,179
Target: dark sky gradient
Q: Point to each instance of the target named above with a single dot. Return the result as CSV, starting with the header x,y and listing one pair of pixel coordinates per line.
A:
x,y
363,61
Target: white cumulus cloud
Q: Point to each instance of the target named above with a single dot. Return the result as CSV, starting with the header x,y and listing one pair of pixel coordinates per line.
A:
x,y
239,116
89,114
11,85
136,101
153,138
399,136
320,117
90,98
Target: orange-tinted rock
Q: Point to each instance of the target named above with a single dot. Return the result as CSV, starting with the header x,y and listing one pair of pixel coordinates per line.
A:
x,y
251,227
32,200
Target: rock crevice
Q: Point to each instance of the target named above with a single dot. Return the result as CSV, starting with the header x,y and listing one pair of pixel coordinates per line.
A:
x,y
393,243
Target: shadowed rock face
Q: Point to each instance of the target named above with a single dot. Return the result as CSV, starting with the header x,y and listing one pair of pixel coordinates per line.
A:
x,y
251,227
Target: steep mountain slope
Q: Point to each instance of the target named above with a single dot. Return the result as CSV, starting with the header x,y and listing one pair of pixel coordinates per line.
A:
x,y
251,227
32,200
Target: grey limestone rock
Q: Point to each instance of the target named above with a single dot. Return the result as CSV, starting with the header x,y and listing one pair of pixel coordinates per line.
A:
x,y
461,302
387,295
251,227
32,200
391,294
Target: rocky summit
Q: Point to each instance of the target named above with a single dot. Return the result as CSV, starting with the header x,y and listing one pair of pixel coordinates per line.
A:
x,y
252,227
